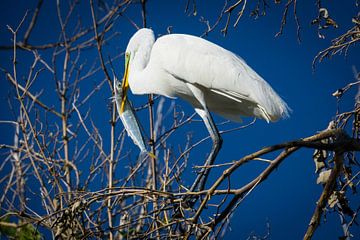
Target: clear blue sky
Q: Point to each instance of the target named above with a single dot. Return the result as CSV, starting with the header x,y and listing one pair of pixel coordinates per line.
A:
x,y
287,198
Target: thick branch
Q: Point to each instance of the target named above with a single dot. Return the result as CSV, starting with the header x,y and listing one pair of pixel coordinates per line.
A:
x,y
328,190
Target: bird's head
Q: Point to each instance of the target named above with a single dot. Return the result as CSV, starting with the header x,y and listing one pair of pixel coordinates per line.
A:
x,y
141,43
137,55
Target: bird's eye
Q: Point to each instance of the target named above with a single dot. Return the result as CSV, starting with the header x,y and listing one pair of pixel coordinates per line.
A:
x,y
127,55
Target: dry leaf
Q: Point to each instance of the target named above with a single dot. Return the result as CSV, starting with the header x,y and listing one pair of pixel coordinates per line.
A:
x,y
323,177
333,200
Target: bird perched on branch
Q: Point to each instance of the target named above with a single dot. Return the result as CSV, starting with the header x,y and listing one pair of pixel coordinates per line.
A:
x,y
209,77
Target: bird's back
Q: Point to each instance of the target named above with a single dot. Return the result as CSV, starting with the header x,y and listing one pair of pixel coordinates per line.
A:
x,y
198,61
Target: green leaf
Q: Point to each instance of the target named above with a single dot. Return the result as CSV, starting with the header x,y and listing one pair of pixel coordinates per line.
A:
x,y
28,232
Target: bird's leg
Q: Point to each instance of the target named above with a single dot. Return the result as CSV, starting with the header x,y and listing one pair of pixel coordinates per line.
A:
x,y
204,113
202,176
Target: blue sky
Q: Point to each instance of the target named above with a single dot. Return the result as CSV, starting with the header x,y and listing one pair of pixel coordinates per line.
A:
x,y
287,198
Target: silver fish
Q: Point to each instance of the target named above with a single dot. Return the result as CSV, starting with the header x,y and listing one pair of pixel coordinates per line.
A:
x,y
128,118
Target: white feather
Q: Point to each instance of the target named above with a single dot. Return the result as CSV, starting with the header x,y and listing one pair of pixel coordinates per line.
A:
x,y
229,86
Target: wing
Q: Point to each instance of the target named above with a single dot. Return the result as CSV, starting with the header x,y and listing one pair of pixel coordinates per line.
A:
x,y
198,61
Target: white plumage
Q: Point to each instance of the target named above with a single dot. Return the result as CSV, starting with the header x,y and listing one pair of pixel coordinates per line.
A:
x,y
208,76
176,61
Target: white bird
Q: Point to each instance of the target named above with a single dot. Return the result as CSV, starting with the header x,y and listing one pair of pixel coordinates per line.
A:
x,y
209,77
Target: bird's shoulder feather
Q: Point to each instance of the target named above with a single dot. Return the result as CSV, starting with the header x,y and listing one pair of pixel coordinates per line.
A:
x,y
197,61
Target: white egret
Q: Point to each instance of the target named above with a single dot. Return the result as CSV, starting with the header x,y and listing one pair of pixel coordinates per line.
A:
x,y
209,77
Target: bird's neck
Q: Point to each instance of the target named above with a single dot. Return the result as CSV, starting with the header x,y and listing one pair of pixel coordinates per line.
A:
x,y
139,79
141,58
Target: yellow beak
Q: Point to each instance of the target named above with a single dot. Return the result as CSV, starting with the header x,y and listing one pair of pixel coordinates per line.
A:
x,y
125,82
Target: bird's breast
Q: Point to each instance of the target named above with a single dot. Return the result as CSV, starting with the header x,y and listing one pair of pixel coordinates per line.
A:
x,y
172,87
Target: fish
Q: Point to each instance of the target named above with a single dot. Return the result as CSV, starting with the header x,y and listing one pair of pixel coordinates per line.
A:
x,y
128,118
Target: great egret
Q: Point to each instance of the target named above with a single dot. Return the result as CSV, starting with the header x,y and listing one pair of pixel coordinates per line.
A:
x,y
206,75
